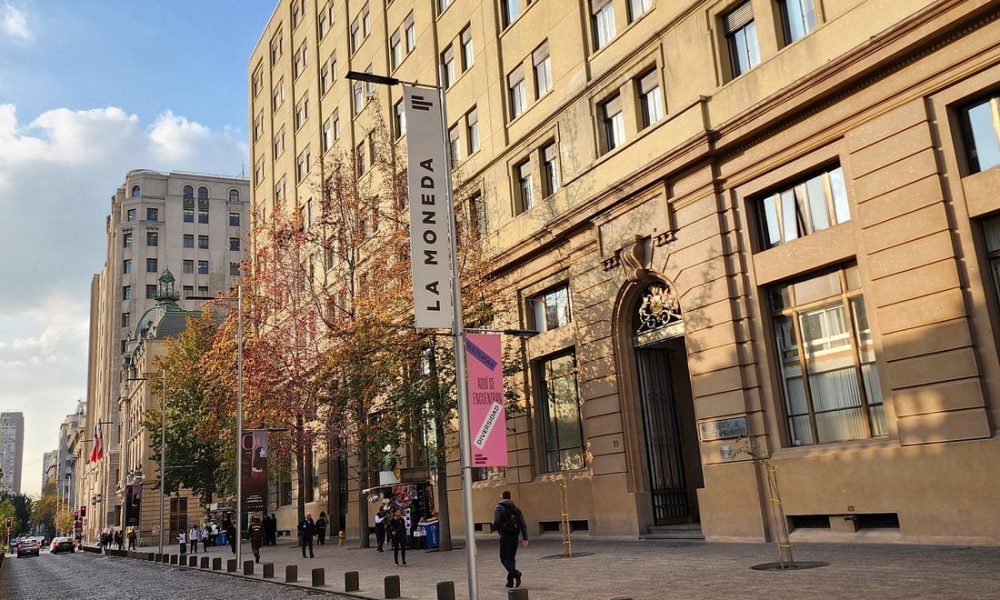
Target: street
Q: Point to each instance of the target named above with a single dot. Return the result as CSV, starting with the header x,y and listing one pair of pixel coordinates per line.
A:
x,y
87,576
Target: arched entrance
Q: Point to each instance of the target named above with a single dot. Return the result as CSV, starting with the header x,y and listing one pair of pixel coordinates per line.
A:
x,y
673,462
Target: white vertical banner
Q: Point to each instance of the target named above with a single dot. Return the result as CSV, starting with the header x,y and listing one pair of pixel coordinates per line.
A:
x,y
427,170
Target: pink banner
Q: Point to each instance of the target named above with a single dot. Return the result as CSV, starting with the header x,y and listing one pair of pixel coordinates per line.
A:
x,y
487,421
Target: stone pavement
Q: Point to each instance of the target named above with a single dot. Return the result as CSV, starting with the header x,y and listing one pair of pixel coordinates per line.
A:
x,y
657,570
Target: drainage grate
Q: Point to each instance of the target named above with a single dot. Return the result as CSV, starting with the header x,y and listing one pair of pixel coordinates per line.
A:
x,y
794,566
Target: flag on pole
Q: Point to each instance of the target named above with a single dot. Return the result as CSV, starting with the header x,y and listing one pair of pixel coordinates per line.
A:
x,y
98,452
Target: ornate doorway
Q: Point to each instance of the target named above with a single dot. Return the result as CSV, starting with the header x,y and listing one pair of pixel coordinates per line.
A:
x,y
672,456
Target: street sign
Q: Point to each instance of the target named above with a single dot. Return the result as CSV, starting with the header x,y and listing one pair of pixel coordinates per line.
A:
x,y
427,186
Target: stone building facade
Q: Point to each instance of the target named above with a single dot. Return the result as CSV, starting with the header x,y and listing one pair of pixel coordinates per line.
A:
x,y
745,230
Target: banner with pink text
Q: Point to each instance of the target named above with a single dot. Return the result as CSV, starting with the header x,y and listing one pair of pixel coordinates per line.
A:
x,y
487,420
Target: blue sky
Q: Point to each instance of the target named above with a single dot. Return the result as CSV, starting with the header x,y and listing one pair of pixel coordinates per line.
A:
x,y
88,91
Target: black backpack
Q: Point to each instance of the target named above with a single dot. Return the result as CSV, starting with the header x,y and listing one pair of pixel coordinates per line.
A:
x,y
509,523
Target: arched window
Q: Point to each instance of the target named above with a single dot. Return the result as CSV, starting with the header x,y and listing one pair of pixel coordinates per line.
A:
x,y
135,191
203,193
234,195
188,191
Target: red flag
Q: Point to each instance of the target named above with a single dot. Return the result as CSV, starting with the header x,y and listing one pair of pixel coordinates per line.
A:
x,y
98,452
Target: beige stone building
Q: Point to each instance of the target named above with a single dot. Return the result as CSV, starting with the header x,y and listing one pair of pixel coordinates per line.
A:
x,y
192,224
744,229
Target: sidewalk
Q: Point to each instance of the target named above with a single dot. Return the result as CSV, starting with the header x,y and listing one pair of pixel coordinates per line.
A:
x,y
656,570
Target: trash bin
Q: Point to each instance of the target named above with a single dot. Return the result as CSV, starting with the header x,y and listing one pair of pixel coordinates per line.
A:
x,y
432,532
222,538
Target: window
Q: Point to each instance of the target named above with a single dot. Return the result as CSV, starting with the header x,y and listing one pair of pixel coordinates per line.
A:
x,y
741,36
328,134
399,119
130,215
650,98
202,290
135,191
234,269
333,68
203,267
613,123
637,8
324,79
126,319
127,266
279,191
798,18
298,7
562,428
442,5
411,33
188,240
152,214
258,177
355,36
188,291
152,238
808,206
189,267
188,192
603,22
510,10
303,164
395,50
336,124
202,215
517,92
468,52
550,310
524,199
991,231
359,157
234,244
543,70
279,143
276,48
828,373
981,133
324,19
366,21
126,292
448,62
278,94
234,195
203,242
302,112
258,126
372,149
550,169
359,97
454,145
188,215
151,265
258,80
127,239
300,60
472,130
477,213
150,291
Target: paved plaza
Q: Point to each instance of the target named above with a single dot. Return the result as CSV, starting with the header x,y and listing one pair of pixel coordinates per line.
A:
x,y
655,570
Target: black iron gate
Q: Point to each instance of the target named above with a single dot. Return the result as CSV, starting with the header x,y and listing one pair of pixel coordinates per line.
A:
x,y
663,438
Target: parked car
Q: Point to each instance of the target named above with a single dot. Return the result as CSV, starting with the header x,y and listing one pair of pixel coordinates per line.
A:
x,y
28,546
62,544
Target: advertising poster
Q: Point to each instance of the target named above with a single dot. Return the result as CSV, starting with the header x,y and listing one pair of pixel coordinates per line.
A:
x,y
133,504
254,469
487,420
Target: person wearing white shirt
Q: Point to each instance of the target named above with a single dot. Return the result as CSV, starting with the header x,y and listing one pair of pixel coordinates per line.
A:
x,y
193,539
182,540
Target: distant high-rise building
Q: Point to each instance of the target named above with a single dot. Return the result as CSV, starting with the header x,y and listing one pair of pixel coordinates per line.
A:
x,y
11,451
49,462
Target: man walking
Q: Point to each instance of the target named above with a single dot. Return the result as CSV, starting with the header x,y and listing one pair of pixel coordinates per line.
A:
x,y
274,529
396,529
307,529
193,539
256,537
509,523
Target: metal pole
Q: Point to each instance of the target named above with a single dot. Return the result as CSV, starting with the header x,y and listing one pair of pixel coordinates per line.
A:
x,y
458,331
163,450
239,420
124,462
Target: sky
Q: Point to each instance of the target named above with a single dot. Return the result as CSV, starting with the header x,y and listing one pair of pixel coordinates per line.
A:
x,y
90,89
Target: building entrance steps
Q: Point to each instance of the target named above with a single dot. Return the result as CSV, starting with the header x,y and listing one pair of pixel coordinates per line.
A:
x,y
682,531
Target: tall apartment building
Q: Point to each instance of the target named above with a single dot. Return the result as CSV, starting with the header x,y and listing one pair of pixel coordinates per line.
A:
x,y
751,234
190,224
67,459
11,451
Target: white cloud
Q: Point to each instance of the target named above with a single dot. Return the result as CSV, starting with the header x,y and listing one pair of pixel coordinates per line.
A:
x,y
57,174
14,24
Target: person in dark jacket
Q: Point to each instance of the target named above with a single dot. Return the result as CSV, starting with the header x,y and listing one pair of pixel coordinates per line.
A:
x,y
508,522
396,529
231,534
321,528
380,529
307,529
256,538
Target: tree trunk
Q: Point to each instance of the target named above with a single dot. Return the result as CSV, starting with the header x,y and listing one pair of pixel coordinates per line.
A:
x,y
333,475
441,456
300,466
364,540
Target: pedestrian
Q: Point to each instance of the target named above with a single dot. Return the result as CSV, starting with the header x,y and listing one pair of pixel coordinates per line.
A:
x,y
256,537
231,534
396,529
274,529
307,529
182,540
193,538
206,538
131,540
214,535
321,528
119,540
380,529
508,522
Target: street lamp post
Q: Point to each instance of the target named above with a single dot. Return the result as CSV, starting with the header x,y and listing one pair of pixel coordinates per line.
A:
x,y
457,331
